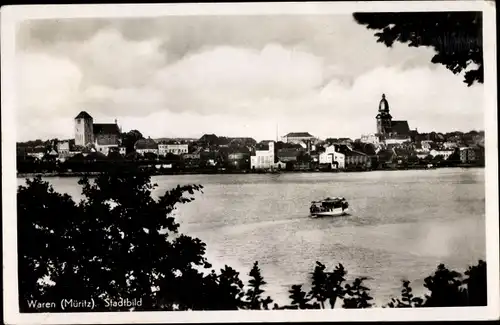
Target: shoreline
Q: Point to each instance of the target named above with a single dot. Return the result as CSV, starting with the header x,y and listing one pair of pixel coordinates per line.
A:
x,y
239,172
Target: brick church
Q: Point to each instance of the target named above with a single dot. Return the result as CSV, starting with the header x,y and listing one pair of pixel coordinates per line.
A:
x,y
102,135
389,130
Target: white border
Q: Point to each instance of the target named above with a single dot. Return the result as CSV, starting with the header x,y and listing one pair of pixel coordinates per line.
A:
x,y
10,15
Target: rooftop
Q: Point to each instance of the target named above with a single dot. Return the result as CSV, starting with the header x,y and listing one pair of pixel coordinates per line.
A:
x,y
299,135
84,115
106,128
146,144
400,127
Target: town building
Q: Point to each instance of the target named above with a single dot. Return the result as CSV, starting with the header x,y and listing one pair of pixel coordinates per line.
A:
x,y
298,138
428,145
288,155
449,145
469,155
356,159
332,157
391,131
443,153
370,138
63,149
173,148
263,159
37,152
144,146
208,140
239,160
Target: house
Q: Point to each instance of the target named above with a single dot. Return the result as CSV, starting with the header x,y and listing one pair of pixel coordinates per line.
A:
x,y
208,140
288,155
405,155
471,155
104,145
88,149
244,141
279,165
223,142
210,158
298,137
148,145
386,157
332,157
396,139
356,159
370,138
37,152
239,160
449,145
63,149
443,153
428,145
173,148
263,158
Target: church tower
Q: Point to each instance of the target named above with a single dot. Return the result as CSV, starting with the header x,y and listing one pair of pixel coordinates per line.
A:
x,y
384,118
84,125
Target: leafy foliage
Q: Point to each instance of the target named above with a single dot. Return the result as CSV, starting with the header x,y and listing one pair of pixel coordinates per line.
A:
x,y
357,295
254,299
408,300
455,36
128,139
447,288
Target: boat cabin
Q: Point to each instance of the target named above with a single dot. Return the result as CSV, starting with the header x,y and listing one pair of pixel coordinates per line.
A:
x,y
329,204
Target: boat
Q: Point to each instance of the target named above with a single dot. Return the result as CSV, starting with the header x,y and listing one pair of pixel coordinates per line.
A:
x,y
329,207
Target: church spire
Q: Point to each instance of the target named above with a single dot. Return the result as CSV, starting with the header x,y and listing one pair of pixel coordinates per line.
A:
x,y
383,106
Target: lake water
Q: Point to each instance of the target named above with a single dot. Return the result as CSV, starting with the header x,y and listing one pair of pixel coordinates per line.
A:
x,y
402,224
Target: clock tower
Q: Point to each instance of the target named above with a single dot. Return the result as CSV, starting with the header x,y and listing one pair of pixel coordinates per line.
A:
x,y
384,118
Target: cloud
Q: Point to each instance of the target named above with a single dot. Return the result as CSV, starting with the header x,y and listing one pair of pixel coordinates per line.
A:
x,y
47,88
187,76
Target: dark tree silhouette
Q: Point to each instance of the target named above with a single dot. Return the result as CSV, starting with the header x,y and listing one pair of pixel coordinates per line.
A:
x,y
455,36
254,294
408,300
129,138
447,289
476,284
300,299
357,295
116,243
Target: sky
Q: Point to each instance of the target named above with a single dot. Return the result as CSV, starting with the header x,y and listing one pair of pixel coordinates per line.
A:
x,y
248,76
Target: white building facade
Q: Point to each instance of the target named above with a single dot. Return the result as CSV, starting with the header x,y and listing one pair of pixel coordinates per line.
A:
x,y
332,157
176,149
444,153
263,159
397,140
370,138
104,149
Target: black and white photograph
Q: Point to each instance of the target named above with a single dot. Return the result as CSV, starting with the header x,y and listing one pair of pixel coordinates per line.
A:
x,y
250,162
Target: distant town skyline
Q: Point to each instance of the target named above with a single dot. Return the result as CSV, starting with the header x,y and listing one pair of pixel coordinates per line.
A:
x,y
230,76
